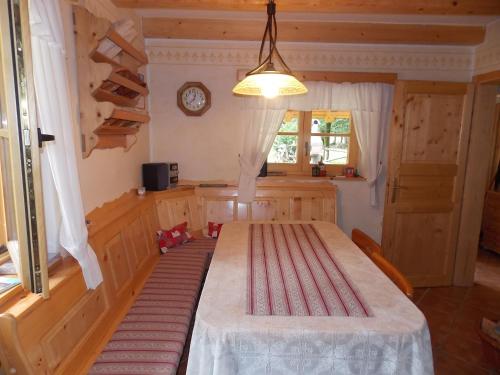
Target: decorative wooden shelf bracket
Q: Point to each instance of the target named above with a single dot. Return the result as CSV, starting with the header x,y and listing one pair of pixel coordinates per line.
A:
x,y
112,89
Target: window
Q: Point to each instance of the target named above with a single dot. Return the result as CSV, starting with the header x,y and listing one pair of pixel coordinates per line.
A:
x,y
305,138
21,215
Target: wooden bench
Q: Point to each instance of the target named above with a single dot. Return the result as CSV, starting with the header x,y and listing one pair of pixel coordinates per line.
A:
x,y
67,332
151,337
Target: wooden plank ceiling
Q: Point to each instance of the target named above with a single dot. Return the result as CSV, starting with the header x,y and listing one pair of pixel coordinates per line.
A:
x,y
213,27
325,32
455,7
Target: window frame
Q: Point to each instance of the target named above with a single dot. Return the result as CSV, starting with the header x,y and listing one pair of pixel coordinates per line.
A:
x,y
304,133
17,90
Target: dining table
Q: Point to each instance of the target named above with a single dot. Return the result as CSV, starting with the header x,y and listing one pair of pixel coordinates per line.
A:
x,y
287,298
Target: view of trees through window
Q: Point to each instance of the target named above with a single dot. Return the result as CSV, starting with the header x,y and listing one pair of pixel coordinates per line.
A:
x,y
329,138
325,136
284,149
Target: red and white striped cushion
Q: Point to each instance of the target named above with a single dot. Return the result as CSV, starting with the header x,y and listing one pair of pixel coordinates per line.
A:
x,y
151,337
199,245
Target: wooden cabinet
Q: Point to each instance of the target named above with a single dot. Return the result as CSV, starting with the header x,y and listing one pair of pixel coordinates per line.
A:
x,y
278,200
491,221
274,201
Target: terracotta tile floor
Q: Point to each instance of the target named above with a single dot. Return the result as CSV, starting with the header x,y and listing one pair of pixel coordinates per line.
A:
x,y
453,314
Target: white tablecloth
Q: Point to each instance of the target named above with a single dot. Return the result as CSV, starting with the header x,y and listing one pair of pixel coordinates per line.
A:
x,y
227,341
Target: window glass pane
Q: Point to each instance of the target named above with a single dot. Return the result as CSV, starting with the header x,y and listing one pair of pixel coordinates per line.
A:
x,y
8,234
3,115
284,150
290,123
330,122
332,150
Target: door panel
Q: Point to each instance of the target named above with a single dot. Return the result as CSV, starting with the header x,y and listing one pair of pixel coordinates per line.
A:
x,y
429,136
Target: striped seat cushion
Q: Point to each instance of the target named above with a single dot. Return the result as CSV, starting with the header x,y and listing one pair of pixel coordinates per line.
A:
x,y
151,337
202,245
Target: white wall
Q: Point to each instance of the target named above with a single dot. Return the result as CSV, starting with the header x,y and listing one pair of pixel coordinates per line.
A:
x,y
207,147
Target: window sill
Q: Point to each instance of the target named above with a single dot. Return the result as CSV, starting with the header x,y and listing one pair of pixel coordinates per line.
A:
x,y
18,301
308,178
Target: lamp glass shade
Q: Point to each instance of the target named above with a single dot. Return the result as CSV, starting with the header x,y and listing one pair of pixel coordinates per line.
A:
x,y
269,84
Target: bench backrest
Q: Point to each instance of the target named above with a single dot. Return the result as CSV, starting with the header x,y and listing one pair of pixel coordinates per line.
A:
x,y
64,334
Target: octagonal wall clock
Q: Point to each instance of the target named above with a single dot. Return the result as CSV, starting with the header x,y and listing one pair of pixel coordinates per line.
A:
x,y
193,98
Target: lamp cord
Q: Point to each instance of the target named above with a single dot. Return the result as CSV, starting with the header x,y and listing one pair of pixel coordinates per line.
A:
x,y
271,30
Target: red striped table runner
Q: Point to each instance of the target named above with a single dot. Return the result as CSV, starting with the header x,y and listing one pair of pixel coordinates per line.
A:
x,y
291,272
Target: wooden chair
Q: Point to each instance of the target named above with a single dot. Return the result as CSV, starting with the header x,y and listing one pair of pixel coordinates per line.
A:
x,y
393,273
365,242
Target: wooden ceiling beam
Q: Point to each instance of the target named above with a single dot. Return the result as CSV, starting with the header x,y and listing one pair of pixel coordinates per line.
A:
x,y
436,7
323,32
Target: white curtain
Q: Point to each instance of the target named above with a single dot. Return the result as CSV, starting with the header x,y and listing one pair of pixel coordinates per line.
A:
x,y
260,127
369,103
52,97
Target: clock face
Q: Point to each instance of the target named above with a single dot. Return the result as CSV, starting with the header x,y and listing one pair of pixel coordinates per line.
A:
x,y
194,99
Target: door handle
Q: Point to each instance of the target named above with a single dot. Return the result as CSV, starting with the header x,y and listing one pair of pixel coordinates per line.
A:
x,y
395,188
44,138
307,148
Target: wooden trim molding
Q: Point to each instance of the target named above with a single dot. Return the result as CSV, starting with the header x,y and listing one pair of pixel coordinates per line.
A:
x,y
316,32
463,7
338,77
488,78
447,62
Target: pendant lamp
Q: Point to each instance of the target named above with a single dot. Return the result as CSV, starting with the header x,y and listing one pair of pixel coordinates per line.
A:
x,y
265,79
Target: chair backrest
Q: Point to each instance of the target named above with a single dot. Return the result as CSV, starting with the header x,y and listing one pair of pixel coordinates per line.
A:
x,y
365,242
393,273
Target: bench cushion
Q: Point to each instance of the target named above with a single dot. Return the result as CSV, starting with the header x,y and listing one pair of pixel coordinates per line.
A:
x,y
202,245
151,337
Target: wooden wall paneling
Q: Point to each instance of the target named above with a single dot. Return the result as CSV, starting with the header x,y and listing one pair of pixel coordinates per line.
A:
x,y
13,355
306,208
151,225
36,319
244,212
180,211
194,208
117,264
283,209
479,153
296,208
164,215
317,208
178,205
73,329
137,239
219,210
265,209
275,201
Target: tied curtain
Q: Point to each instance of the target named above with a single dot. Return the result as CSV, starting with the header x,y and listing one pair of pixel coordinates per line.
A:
x,y
369,103
65,218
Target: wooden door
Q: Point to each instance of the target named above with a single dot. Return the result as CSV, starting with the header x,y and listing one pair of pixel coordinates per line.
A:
x,y
427,152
